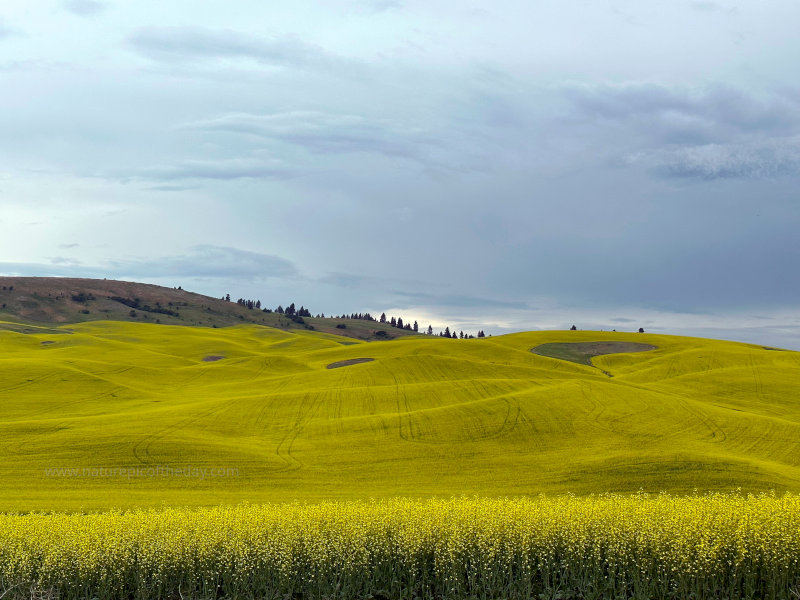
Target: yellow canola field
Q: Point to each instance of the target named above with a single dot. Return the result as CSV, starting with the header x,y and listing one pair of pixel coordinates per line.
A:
x,y
609,546
119,415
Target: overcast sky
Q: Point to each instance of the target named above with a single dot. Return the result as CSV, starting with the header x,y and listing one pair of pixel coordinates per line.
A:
x,y
496,165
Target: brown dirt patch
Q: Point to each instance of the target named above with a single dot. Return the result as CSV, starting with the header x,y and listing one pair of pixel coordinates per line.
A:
x,y
583,352
212,358
347,363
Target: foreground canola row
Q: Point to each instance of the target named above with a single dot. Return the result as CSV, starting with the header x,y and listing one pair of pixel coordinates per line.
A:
x,y
609,546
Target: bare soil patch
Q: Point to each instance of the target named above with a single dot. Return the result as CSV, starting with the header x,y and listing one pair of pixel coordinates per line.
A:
x,y
212,358
583,352
347,363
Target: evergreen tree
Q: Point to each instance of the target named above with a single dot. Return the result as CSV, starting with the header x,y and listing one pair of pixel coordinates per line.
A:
x,y
290,310
481,334
461,335
430,329
447,332
393,323
416,326
258,304
279,310
399,322
383,317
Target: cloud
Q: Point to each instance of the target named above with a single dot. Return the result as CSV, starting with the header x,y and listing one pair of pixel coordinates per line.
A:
x,y
84,8
188,44
378,6
724,110
404,299
203,261
22,269
62,260
225,170
348,280
714,161
457,300
7,31
210,261
330,133
709,133
170,188
712,7
68,246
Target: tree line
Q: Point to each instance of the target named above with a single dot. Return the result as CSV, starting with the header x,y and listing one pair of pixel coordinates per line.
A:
x,y
295,313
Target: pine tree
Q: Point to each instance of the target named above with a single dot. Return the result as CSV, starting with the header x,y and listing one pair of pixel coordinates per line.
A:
x,y
447,332
416,326
430,329
393,323
399,322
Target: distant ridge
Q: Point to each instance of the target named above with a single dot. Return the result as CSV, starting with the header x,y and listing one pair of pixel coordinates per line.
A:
x,y
62,300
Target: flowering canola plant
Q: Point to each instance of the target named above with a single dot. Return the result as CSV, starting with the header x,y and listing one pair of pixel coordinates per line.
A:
x,y
642,546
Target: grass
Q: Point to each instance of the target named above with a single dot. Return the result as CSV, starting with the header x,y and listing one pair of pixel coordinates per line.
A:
x,y
122,415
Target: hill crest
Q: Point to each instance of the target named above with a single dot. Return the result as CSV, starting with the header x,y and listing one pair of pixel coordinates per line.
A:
x,y
62,301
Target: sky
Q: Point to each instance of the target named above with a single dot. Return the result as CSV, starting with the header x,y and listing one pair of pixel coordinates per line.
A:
x,y
502,165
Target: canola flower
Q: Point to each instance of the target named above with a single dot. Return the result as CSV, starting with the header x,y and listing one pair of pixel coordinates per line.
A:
x,y
608,546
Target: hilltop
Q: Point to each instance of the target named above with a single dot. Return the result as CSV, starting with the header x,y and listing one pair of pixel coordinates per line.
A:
x,y
117,414
41,301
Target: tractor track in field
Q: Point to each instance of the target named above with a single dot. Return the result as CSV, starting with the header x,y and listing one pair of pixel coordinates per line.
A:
x,y
716,432
106,394
510,421
27,382
141,449
597,408
284,450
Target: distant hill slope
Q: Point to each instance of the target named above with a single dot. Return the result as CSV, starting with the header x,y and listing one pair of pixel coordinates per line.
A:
x,y
58,300
112,414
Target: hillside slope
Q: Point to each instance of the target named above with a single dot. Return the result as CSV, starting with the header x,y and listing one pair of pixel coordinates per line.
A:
x,y
427,416
58,300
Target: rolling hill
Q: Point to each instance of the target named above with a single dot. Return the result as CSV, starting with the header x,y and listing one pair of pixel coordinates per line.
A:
x,y
118,414
56,300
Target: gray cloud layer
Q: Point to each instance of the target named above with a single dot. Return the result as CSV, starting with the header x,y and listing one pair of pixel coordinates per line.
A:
x,y
192,44
203,261
489,165
84,8
708,133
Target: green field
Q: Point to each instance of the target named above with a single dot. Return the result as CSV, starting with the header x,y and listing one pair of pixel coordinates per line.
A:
x,y
112,414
